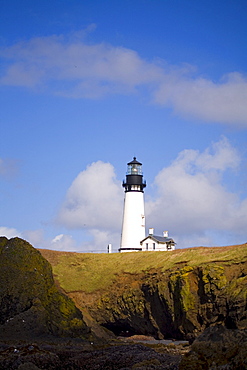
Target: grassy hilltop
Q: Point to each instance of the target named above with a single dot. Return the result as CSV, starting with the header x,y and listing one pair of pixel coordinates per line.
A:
x,y
91,272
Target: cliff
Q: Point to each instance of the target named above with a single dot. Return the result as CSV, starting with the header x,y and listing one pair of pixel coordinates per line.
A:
x,y
175,294
163,294
31,305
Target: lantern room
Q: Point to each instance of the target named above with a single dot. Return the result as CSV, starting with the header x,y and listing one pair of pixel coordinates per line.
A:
x,y
134,179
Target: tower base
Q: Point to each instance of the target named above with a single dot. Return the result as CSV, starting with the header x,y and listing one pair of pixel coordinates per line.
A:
x,y
124,250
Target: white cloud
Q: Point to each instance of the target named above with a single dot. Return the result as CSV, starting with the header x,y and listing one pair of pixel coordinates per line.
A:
x,y
35,237
220,156
9,232
196,97
63,242
101,239
94,200
70,67
87,70
98,240
192,200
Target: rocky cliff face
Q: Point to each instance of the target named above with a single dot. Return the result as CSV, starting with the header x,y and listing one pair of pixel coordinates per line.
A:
x,y
179,303
163,294
30,303
177,294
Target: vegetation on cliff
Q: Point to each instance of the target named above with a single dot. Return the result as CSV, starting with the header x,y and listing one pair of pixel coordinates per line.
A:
x,y
165,294
30,303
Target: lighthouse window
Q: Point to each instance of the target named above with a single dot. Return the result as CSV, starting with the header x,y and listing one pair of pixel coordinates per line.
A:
x,y
134,169
143,220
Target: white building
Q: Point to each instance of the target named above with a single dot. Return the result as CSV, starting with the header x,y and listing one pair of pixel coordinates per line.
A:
x,y
157,243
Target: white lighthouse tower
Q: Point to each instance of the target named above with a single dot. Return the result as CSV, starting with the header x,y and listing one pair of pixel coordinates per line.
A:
x,y
133,228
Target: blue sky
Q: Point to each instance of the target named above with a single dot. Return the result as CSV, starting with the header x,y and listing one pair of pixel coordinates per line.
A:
x,y
87,85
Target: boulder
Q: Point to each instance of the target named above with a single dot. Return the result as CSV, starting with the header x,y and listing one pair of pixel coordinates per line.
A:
x,y
30,303
217,348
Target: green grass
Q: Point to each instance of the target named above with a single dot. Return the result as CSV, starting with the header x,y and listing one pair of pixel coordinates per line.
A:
x,y
90,272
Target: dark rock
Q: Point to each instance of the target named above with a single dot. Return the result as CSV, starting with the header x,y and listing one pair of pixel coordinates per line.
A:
x,y
28,357
180,303
28,366
121,357
75,356
30,303
217,348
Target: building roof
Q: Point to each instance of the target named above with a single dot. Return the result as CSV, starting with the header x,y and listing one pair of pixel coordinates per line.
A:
x,y
134,162
160,239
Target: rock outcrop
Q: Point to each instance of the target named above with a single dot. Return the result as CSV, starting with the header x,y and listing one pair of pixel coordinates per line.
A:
x,y
194,289
178,304
165,295
217,348
30,304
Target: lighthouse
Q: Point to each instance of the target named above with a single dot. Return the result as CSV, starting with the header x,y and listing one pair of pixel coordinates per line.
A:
x,y
133,227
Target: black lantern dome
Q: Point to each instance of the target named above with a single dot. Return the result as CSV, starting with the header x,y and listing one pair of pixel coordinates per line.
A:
x,y
134,179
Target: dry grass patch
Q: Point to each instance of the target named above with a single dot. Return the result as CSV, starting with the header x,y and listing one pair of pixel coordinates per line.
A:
x,y
89,272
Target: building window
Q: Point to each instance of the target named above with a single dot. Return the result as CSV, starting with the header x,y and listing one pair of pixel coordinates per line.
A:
x,y
146,246
143,220
154,246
